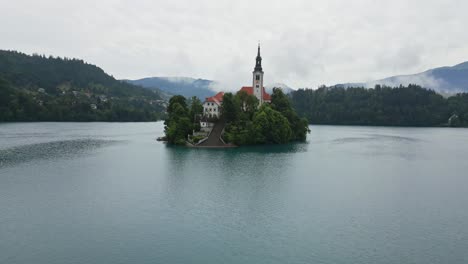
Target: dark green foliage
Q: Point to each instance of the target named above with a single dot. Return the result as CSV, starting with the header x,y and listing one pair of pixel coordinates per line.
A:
x,y
382,106
196,107
178,124
249,104
231,108
39,88
196,112
270,124
458,105
281,103
175,102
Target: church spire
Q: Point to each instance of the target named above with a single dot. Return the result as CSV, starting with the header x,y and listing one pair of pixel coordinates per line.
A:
x,y
258,64
257,84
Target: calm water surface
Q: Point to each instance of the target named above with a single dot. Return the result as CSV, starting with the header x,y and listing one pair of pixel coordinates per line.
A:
x,y
109,193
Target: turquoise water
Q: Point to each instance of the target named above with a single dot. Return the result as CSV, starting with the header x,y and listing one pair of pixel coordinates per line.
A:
x,y
110,193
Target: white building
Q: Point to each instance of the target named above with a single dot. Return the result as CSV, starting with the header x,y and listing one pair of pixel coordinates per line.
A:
x,y
212,105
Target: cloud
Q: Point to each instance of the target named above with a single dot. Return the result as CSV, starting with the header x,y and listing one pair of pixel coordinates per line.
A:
x,y
304,43
423,79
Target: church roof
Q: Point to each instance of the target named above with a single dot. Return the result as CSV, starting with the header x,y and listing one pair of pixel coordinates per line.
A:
x,y
249,91
218,98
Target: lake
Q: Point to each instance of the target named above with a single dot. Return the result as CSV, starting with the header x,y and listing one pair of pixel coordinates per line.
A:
x,y
110,193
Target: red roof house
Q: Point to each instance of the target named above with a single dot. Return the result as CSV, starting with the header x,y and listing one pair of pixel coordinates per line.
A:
x,y
217,98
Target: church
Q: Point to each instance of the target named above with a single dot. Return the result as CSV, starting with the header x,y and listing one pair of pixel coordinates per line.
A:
x,y
212,105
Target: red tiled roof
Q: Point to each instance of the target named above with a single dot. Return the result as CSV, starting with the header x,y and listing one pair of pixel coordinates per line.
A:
x,y
218,98
249,90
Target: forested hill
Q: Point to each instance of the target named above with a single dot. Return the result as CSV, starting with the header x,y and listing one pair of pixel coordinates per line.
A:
x,y
379,106
39,88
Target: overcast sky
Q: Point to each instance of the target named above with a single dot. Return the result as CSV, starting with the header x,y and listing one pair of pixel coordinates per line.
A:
x,y
304,43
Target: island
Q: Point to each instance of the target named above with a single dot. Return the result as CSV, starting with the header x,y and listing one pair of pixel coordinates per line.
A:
x,y
249,117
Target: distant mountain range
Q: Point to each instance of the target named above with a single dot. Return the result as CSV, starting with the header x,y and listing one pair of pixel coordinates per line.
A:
x,y
189,87
444,80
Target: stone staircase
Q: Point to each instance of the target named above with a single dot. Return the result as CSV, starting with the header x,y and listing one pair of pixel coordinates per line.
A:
x,y
214,139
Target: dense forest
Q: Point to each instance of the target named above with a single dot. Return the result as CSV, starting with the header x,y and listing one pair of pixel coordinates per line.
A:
x,y
40,88
381,106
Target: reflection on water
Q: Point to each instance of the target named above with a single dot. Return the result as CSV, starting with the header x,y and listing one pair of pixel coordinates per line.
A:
x,y
376,137
50,150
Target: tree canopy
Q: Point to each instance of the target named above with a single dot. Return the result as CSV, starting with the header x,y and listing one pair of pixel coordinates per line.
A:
x,y
183,117
40,88
381,106
248,124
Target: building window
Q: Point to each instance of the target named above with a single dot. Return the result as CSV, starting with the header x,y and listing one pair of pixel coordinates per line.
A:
x,y
256,86
257,77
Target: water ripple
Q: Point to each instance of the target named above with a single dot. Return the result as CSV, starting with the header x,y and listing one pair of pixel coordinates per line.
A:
x,y
376,137
50,150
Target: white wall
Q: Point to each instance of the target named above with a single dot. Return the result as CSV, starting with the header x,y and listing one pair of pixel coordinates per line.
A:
x,y
211,109
257,91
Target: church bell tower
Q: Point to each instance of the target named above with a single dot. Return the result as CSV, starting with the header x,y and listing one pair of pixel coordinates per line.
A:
x,y
257,84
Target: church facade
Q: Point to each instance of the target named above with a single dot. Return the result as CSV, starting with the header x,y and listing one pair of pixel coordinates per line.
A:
x,y
212,105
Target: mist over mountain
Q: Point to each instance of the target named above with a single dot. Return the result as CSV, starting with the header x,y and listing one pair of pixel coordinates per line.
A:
x,y
189,87
185,86
445,80
285,88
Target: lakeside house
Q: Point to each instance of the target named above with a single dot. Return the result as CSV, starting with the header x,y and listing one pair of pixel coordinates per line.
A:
x,y
212,105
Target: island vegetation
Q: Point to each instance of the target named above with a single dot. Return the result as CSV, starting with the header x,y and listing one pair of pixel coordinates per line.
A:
x,y
381,106
40,88
182,119
245,122
275,123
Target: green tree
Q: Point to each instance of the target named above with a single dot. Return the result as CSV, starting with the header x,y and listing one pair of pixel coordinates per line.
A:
x,y
398,106
270,126
248,124
39,88
248,103
230,108
176,99
281,103
178,124
196,108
